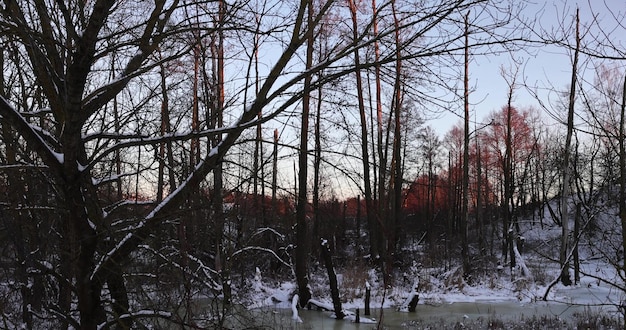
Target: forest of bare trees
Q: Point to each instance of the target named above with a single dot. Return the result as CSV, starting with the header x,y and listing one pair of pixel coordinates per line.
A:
x,y
156,155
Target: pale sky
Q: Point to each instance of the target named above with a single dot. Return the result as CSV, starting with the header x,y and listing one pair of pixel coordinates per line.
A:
x,y
550,66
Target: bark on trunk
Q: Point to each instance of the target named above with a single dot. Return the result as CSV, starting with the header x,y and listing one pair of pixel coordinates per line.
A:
x,y
622,180
397,173
465,208
302,237
367,186
575,252
375,220
565,192
332,278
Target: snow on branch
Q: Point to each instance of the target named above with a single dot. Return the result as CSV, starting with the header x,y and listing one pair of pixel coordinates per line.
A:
x,y
140,140
262,230
207,271
258,248
136,233
32,134
132,315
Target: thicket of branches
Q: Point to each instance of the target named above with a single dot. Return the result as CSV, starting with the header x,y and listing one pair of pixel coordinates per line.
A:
x,y
148,149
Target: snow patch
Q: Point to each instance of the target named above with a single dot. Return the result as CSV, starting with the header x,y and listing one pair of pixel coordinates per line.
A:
x,y
294,308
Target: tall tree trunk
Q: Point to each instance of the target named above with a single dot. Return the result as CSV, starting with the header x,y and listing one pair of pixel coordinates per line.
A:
x,y
218,180
166,154
317,157
376,243
479,202
432,189
164,115
81,235
622,176
332,279
367,185
566,168
258,142
508,192
194,150
302,237
274,212
465,208
575,254
317,162
396,170
508,225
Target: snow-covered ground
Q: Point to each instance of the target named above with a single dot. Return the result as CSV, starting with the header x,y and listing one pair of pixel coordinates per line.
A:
x,y
497,291
496,296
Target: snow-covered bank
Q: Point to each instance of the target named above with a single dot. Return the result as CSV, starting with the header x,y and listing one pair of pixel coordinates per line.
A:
x,y
531,288
588,292
494,298
445,295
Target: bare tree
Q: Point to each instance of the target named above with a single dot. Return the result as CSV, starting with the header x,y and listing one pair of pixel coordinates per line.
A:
x,y
367,184
396,179
85,58
302,230
465,258
565,193
622,183
508,228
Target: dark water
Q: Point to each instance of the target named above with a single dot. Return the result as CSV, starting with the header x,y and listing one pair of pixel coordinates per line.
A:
x,y
426,316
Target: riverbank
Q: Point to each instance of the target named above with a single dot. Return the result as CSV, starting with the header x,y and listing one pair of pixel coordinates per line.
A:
x,y
495,301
